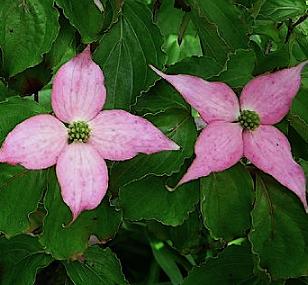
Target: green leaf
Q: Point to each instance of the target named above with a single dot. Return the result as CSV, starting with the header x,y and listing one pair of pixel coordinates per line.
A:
x,y
17,182
21,258
221,27
85,16
125,52
18,109
63,240
185,238
238,69
280,10
179,126
5,92
233,266
27,30
98,267
226,202
203,66
298,116
149,199
167,262
160,98
279,233
181,38
63,49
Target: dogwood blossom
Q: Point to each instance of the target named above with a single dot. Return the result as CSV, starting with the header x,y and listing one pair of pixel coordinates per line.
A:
x,y
243,127
79,136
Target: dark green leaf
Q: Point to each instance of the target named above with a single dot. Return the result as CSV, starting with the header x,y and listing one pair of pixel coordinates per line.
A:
x,y
221,27
21,258
63,49
18,109
27,30
167,262
98,267
17,182
85,16
233,266
186,238
279,230
149,199
63,240
125,52
298,116
226,202
238,69
280,10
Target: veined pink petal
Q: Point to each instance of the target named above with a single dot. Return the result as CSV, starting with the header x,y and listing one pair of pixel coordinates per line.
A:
x,y
35,143
268,149
78,91
83,177
119,135
218,147
214,101
271,95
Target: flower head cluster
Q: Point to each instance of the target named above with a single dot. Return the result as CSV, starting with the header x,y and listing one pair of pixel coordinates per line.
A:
x,y
243,127
80,136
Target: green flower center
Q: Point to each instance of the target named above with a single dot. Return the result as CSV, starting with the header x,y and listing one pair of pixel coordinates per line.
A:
x,y
249,120
79,132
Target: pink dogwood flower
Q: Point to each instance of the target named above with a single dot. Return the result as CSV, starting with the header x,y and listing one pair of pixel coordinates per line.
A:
x,y
80,136
243,127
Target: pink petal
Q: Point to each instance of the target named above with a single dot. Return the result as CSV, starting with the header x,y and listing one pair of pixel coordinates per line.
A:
x,y
83,177
218,147
268,149
78,91
35,143
119,135
271,95
213,100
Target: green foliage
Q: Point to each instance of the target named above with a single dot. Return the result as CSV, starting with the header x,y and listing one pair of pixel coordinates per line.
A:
x,y
98,267
226,200
237,226
27,30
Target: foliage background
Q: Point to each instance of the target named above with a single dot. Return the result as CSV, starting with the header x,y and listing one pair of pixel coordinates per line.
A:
x,y
234,227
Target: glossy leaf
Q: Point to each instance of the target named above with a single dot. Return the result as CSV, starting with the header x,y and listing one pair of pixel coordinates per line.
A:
x,y
226,202
233,266
63,239
16,182
149,199
27,30
279,232
124,54
21,258
221,27
19,110
85,16
98,267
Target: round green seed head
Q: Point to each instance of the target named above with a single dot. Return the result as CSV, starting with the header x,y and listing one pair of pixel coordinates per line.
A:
x,y
249,120
79,132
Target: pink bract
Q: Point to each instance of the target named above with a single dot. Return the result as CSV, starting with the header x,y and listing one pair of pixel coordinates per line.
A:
x,y
78,96
224,141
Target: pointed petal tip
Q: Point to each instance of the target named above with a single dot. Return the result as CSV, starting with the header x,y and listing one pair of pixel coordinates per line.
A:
x,y
171,189
174,146
87,50
157,71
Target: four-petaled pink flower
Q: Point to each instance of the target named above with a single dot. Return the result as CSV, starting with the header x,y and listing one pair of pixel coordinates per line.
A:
x,y
80,145
243,127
